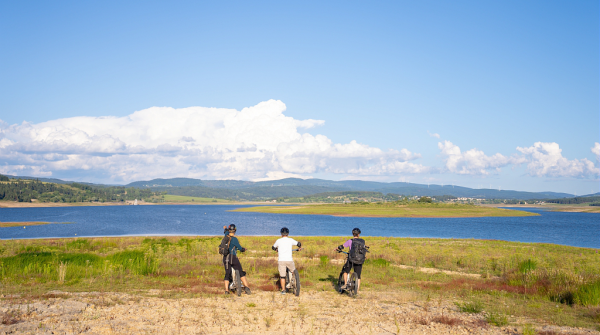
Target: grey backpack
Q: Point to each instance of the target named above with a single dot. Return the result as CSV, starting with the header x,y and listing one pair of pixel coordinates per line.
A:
x,y
224,246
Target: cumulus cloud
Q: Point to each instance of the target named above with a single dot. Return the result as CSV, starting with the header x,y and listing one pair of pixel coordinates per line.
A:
x,y
472,162
542,159
595,150
546,159
256,143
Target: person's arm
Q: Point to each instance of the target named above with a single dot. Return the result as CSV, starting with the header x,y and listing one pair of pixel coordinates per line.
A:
x,y
347,244
275,246
236,244
225,230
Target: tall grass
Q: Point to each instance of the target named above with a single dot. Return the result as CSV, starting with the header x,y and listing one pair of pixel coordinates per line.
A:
x,y
588,294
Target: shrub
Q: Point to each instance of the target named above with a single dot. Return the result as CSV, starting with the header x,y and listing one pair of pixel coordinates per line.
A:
x,y
133,260
527,266
497,319
588,295
79,259
470,307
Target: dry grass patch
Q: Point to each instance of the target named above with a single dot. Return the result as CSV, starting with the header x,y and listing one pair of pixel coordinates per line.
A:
x,y
447,320
10,317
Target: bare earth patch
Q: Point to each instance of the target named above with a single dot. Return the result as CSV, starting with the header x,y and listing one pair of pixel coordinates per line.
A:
x,y
259,313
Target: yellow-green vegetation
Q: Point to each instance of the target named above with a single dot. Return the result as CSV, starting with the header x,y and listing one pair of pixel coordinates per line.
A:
x,y
18,224
574,208
186,199
544,282
391,209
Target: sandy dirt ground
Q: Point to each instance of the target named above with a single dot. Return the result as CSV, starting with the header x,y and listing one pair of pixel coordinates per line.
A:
x,y
315,312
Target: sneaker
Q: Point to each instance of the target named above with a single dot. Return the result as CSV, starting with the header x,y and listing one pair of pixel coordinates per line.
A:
x,y
282,292
226,292
247,290
343,287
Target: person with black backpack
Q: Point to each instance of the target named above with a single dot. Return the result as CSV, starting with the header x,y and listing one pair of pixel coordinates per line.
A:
x,y
228,248
356,256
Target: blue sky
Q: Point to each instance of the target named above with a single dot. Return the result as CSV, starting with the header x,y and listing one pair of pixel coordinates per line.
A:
x,y
490,79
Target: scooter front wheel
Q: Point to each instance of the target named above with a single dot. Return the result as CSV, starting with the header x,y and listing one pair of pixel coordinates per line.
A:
x,y
238,282
340,282
296,283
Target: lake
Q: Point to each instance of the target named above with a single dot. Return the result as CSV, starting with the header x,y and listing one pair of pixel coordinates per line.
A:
x,y
574,229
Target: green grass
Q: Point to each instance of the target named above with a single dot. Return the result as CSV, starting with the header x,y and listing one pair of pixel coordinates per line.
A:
x,y
390,209
552,283
470,307
589,294
186,199
497,319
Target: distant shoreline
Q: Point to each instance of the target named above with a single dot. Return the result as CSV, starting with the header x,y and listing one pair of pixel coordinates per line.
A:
x,y
553,207
14,204
391,210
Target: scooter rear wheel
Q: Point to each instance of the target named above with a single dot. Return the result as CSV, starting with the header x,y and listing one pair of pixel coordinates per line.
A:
x,y
353,284
296,283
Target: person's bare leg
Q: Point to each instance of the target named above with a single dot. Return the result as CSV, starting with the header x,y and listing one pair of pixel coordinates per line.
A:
x,y
244,281
345,278
282,282
357,285
226,285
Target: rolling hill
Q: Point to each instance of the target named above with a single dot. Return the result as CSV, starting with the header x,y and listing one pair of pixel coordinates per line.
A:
x,y
295,187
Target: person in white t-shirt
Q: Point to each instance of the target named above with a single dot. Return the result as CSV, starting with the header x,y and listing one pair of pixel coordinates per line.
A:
x,y
283,246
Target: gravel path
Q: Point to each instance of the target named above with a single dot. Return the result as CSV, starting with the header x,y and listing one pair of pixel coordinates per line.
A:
x,y
259,313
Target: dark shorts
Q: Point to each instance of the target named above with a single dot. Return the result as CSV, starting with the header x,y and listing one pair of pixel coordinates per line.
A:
x,y
232,262
349,265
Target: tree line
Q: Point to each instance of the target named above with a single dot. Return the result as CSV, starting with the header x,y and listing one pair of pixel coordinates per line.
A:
x,y
28,190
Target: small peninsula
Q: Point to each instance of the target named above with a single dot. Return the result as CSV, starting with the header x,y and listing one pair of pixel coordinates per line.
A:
x,y
392,210
18,224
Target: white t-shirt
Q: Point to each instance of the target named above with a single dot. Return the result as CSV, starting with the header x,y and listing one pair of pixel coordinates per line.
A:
x,y
284,248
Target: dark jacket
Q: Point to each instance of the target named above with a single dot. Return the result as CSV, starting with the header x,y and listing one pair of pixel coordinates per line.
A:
x,y
234,244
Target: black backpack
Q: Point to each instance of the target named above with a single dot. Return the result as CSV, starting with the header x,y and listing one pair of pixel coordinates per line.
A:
x,y
224,246
358,251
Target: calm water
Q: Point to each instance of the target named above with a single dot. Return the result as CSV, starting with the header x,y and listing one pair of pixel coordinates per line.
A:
x,y
575,229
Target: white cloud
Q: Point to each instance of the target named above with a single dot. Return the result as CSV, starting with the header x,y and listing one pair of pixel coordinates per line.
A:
x,y
472,162
258,142
436,135
595,150
545,159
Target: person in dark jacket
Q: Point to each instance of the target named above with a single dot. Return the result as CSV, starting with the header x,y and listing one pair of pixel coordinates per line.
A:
x,y
231,261
349,265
